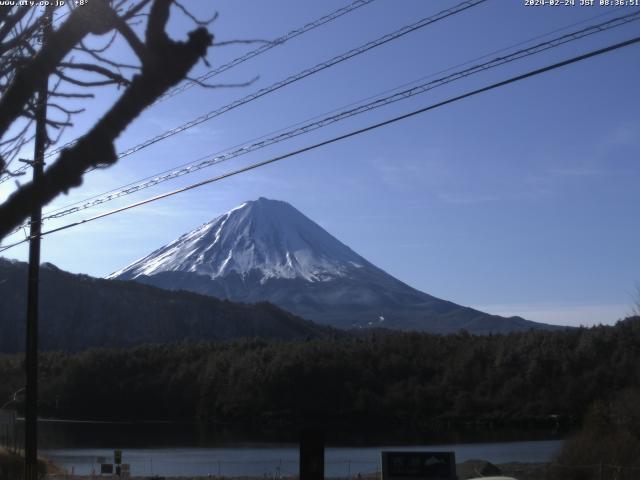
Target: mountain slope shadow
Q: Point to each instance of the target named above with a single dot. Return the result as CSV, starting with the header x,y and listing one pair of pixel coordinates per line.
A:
x,y
266,250
78,311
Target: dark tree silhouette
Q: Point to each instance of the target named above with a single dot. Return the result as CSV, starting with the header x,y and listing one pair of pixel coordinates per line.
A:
x,y
65,59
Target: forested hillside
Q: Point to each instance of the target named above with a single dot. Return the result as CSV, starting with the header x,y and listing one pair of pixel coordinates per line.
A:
x,y
399,379
78,312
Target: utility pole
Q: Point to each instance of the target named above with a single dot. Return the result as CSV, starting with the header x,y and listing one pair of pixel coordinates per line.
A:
x,y
31,361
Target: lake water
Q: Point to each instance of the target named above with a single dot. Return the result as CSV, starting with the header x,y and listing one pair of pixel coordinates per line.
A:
x,y
282,460
178,450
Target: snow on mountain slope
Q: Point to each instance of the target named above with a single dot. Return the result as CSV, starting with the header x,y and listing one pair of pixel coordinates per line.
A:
x,y
267,236
266,250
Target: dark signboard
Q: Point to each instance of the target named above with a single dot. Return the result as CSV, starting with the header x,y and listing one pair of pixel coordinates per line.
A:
x,y
106,468
418,466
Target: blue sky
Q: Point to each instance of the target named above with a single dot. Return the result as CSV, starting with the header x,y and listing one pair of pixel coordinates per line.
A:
x,y
520,201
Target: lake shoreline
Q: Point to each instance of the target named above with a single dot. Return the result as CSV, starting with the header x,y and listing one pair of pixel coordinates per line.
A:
x,y
274,462
464,470
64,434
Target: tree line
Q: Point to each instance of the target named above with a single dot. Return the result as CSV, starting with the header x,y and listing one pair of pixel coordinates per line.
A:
x,y
393,379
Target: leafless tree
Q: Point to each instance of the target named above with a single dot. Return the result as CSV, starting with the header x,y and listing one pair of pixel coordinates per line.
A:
x,y
74,66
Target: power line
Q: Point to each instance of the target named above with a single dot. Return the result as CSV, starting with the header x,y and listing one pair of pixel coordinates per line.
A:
x,y
266,47
17,172
501,50
353,133
283,135
33,284
296,77
227,66
247,56
279,41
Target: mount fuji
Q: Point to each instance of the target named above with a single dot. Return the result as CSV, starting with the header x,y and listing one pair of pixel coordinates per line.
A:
x,y
266,250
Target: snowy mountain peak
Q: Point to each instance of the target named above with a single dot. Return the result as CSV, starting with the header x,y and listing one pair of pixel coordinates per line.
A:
x,y
266,250
269,238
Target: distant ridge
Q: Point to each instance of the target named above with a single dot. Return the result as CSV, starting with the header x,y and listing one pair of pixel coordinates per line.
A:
x,y
78,311
266,250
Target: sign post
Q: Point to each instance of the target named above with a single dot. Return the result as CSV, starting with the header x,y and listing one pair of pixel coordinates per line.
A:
x,y
312,454
31,351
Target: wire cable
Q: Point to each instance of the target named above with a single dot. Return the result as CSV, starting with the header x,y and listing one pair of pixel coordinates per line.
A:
x,y
294,78
266,47
353,133
207,161
18,171
223,68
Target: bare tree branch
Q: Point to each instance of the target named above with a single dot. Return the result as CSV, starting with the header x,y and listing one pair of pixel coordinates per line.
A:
x,y
222,85
90,67
132,39
83,83
202,23
134,9
71,95
64,109
164,64
103,48
91,18
239,42
12,21
95,54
